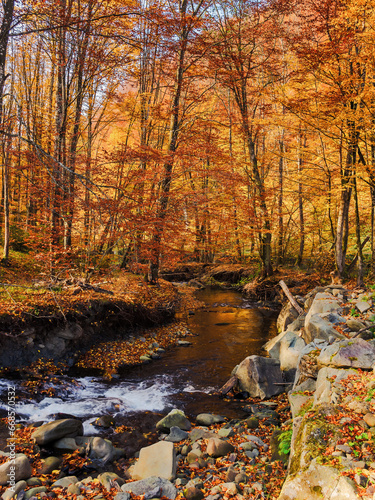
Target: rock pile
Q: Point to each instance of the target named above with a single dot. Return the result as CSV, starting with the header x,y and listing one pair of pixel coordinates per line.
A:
x,y
328,354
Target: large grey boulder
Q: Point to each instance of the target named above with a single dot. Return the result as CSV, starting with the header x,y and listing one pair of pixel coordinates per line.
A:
x,y
164,488
47,433
175,418
318,482
328,384
318,327
323,302
260,377
355,353
291,346
19,467
287,315
159,460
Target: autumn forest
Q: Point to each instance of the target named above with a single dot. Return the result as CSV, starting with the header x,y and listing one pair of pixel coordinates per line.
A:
x,y
189,130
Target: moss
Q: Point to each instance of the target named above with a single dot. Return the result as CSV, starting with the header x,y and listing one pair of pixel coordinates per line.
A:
x,y
311,441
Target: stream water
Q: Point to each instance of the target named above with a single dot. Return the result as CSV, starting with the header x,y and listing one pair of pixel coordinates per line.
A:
x,y
228,329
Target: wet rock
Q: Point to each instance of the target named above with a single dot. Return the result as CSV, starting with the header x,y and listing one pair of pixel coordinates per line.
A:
x,y
175,418
65,444
58,429
259,376
105,421
50,464
14,490
146,485
356,353
34,491
20,466
208,419
218,448
158,460
176,435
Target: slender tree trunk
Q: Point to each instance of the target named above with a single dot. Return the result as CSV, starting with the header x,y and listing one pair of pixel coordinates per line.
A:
x,y
300,200
358,237
280,242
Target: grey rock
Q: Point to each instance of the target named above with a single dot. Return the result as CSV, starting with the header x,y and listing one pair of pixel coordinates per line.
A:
x,y
287,315
176,435
58,429
363,306
322,303
106,478
329,378
157,460
318,482
317,327
65,444
354,324
175,418
145,485
20,466
101,449
356,353
50,464
13,491
259,377
122,496
34,491
218,448
64,482
208,419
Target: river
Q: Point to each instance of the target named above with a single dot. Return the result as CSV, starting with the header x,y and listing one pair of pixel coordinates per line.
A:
x,y
227,330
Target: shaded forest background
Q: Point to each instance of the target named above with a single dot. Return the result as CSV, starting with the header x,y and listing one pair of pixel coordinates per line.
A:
x,y
192,130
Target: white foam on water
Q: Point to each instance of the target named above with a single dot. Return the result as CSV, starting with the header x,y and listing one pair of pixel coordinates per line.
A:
x,y
92,398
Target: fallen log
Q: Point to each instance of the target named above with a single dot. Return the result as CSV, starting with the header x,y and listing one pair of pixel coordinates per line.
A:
x,y
290,297
229,386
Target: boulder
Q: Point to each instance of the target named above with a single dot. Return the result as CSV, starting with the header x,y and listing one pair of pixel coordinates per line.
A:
x,y
58,429
291,346
34,491
145,486
218,448
355,353
317,482
328,384
354,324
19,467
287,315
298,401
323,302
158,460
259,377
318,327
175,418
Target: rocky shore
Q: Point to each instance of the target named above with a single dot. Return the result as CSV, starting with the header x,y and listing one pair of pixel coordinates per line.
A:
x,y
307,430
